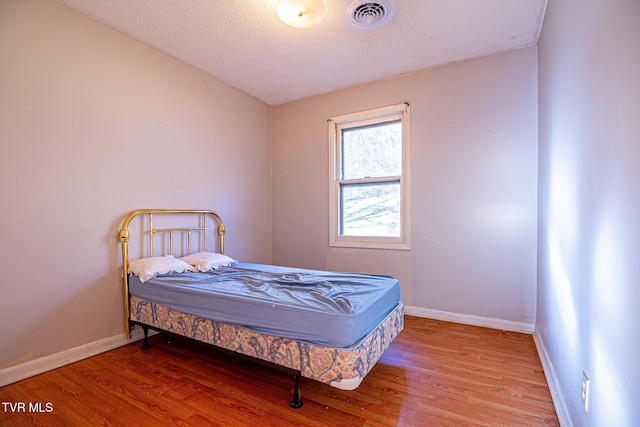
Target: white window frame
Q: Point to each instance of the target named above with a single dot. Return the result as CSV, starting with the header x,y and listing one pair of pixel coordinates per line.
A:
x,y
336,124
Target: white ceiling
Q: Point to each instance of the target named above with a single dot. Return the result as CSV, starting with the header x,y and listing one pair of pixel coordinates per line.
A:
x,y
244,44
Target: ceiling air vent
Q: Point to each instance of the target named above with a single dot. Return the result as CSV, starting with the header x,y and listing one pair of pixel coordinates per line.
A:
x,y
370,14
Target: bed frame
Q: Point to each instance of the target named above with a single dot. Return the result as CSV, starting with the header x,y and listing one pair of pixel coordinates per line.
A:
x,y
200,229
343,368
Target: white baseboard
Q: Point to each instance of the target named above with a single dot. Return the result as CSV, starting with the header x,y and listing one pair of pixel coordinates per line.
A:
x,y
57,360
469,319
552,381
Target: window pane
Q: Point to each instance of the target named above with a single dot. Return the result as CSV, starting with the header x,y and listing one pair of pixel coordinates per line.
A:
x,y
370,209
372,151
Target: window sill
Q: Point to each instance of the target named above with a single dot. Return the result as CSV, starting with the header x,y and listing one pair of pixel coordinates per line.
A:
x,y
370,244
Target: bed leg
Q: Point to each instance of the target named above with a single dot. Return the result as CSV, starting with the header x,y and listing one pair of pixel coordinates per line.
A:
x,y
145,343
296,402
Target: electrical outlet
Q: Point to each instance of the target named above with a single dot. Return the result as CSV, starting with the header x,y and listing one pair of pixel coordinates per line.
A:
x,y
585,391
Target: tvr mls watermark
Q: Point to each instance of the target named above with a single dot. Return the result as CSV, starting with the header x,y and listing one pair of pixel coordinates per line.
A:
x,y
27,407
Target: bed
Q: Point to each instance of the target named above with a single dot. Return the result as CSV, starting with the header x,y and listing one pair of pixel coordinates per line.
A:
x,y
331,327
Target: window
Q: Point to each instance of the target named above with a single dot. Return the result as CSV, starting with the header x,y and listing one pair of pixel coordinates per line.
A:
x,y
369,178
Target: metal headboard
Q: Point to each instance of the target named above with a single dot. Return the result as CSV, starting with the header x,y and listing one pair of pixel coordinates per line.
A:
x,y
200,230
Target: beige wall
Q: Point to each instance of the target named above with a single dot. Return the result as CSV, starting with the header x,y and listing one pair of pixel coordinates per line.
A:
x,y
589,244
473,184
93,125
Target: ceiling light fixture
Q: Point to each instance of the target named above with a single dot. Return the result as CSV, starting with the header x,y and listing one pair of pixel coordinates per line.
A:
x,y
300,13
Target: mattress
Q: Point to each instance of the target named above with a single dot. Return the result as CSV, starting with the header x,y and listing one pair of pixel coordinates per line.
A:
x,y
325,308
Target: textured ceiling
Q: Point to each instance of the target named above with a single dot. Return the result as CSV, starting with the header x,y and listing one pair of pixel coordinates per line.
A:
x,y
244,44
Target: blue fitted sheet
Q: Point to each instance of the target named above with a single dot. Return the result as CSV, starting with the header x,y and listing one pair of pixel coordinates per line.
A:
x,y
325,308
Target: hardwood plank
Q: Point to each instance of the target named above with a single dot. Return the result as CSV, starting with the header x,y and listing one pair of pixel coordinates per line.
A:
x,y
434,373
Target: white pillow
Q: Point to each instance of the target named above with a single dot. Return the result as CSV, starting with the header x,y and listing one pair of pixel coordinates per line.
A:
x,y
148,268
205,261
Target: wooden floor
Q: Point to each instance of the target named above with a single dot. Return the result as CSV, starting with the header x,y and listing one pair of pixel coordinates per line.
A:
x,y
434,374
